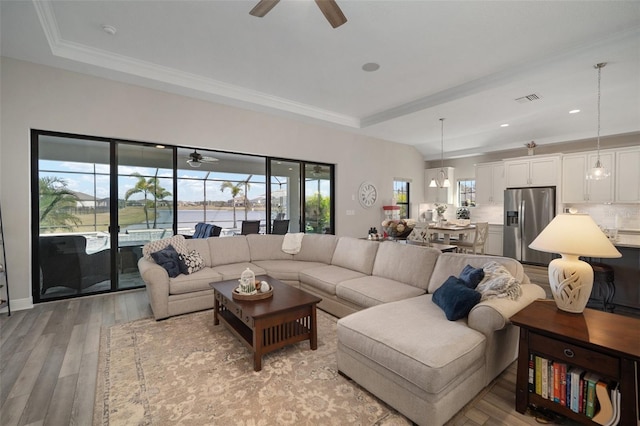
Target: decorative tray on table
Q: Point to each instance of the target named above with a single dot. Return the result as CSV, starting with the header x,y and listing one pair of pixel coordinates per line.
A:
x,y
258,296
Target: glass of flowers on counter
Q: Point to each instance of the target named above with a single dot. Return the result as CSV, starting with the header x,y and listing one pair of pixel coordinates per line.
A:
x,y
398,228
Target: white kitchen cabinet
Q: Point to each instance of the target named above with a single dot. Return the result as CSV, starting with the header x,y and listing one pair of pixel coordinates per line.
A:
x,y
532,171
439,195
627,175
494,241
575,186
490,183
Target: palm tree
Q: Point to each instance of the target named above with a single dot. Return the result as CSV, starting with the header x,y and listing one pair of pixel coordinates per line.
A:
x,y
146,187
235,191
55,200
160,194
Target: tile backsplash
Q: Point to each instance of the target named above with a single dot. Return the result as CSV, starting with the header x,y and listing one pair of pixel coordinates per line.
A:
x,y
625,216
621,216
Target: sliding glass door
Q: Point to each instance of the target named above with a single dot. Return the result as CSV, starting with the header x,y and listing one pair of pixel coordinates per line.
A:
x,y
145,204
71,217
97,201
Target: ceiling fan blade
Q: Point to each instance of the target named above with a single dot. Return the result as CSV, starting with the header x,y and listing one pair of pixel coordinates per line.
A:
x,y
332,12
263,7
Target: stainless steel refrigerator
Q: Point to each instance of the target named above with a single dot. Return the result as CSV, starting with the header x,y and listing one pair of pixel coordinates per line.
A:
x,y
526,213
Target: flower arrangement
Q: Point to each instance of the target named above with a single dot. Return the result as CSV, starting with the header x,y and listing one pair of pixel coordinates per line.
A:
x,y
441,208
530,145
398,228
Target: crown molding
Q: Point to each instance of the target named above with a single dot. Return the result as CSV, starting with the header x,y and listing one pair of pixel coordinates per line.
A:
x,y
147,70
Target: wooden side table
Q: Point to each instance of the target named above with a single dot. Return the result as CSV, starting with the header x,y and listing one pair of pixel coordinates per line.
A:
x,y
599,342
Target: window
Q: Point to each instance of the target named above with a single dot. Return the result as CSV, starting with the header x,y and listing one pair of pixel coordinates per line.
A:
x,y
467,193
401,197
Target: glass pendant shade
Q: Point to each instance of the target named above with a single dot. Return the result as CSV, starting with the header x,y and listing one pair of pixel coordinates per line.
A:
x,y
598,172
443,180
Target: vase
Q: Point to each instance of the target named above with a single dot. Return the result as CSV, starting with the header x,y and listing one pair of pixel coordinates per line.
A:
x,y
530,151
441,219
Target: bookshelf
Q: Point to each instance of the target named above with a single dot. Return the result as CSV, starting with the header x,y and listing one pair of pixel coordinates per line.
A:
x,y
596,342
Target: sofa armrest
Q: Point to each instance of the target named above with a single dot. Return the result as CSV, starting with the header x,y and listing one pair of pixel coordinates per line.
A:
x,y
493,314
156,280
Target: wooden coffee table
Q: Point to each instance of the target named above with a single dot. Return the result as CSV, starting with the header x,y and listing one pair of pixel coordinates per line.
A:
x,y
289,316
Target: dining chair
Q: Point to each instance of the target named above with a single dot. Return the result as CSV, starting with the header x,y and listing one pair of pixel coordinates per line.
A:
x,y
479,240
250,227
205,230
280,226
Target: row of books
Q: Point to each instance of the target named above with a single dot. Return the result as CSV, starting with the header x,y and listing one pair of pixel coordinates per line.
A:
x,y
572,387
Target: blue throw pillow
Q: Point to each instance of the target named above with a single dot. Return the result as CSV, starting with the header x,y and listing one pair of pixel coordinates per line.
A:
x,y
472,276
169,259
455,298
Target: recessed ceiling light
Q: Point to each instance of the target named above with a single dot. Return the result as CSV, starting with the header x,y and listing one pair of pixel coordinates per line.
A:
x,y
504,125
370,67
109,29
574,111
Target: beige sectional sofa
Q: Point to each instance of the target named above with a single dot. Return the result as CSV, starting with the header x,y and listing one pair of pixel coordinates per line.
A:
x,y
392,339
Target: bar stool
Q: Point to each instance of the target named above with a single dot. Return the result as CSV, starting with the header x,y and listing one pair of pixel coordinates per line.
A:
x,y
603,277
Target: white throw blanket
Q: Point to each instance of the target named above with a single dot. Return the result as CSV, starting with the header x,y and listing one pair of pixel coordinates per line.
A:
x,y
292,242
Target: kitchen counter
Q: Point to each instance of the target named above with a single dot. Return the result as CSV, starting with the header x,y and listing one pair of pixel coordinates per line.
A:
x,y
631,240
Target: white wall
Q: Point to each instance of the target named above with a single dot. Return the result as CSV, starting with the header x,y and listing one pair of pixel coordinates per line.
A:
x,y
46,98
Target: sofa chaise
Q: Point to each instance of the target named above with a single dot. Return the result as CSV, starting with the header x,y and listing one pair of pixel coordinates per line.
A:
x,y
392,339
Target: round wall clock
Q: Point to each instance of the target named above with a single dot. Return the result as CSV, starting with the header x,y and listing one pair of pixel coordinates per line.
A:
x,y
367,194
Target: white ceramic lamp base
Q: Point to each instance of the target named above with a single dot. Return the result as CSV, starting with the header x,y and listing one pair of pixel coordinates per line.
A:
x,y
571,282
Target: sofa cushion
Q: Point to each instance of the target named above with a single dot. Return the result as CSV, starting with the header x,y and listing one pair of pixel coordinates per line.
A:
x,y
267,247
177,241
453,263
234,270
471,276
287,270
169,259
357,255
197,281
201,245
227,250
190,263
317,248
327,277
455,298
419,345
405,263
372,290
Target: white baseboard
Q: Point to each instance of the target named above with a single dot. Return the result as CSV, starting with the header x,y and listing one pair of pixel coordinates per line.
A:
x,y
19,305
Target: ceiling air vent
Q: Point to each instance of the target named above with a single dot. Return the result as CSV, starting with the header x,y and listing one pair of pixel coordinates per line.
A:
x,y
528,98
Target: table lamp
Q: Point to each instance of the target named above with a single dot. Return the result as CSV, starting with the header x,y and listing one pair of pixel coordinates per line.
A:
x,y
571,279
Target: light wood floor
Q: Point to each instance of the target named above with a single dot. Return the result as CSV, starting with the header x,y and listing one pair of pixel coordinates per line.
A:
x,y
49,358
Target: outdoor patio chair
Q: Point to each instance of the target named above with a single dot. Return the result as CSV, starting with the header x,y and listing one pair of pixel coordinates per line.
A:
x,y
250,227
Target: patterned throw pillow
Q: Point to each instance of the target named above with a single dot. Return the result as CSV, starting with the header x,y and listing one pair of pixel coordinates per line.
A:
x,y
190,263
177,241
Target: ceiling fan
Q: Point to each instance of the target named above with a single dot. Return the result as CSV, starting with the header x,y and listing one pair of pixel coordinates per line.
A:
x,y
196,159
329,9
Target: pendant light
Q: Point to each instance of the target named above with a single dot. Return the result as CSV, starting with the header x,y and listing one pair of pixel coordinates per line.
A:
x,y
598,172
443,179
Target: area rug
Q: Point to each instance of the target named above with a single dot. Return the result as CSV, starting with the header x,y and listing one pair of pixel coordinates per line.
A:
x,y
186,371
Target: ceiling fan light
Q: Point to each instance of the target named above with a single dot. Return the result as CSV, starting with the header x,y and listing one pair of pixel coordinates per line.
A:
x,y
194,164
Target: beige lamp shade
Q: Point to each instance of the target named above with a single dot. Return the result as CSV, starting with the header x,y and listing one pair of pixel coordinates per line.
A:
x,y
571,279
574,234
